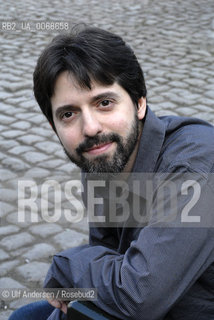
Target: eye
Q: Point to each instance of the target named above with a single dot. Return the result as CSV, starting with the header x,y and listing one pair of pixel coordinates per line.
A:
x,y
106,103
69,115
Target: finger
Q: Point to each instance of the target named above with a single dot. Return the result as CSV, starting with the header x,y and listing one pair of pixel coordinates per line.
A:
x,y
64,307
55,303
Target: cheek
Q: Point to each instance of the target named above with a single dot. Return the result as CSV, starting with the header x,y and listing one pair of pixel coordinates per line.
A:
x,y
122,124
69,139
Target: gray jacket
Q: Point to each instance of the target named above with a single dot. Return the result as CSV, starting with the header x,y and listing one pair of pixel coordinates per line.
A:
x,y
162,269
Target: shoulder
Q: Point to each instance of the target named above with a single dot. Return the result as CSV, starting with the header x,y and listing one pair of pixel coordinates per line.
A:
x,y
188,141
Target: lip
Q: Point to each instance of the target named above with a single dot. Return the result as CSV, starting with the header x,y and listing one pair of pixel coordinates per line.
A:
x,y
98,149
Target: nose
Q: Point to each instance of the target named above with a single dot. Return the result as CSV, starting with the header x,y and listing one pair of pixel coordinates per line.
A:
x,y
91,125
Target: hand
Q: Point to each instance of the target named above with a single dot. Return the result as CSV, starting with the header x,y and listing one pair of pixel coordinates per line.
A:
x,y
62,305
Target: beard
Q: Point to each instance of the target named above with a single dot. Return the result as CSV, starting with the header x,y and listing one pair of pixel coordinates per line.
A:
x,y
102,164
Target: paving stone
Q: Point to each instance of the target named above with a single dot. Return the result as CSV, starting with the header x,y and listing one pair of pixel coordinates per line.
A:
x,y
6,120
70,238
175,76
37,173
210,87
19,303
7,266
203,108
35,157
38,119
43,132
185,111
48,146
15,164
210,94
156,99
199,64
5,314
8,195
8,230
33,271
160,80
189,102
173,97
39,251
53,164
18,252
3,128
167,105
28,105
16,241
81,226
69,167
4,95
205,116
180,92
162,113
30,139
61,154
199,75
5,208
24,115
210,74
178,84
159,89
6,174
14,87
9,144
23,125
195,82
20,150
193,96
2,156
14,101
7,282
45,230
157,72
10,76
3,256
12,133
206,101
29,219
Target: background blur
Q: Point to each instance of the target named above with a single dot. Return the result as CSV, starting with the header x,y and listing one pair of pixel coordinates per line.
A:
x,y
174,42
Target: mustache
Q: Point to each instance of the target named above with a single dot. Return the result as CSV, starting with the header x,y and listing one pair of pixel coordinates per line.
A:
x,y
89,142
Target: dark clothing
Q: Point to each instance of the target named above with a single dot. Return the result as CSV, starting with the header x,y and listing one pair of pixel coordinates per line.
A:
x,y
33,311
161,270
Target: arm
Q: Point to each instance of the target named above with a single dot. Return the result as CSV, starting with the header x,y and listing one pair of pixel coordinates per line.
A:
x,y
155,271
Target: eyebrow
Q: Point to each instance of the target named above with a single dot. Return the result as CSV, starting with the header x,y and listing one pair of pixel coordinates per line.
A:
x,y
104,95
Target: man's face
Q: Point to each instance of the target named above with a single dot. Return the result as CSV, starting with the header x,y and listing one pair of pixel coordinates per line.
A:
x,y
98,128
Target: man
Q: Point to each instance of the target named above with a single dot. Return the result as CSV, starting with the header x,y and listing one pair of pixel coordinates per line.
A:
x,y
91,88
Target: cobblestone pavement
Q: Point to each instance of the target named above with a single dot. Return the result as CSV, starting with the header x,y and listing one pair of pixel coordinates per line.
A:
x,y
174,41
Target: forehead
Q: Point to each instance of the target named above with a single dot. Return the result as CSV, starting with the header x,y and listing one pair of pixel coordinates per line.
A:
x,y
67,81
66,88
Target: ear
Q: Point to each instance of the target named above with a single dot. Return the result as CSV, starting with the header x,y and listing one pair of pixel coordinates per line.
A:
x,y
141,111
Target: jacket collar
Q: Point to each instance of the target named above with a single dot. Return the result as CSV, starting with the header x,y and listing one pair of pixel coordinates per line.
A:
x,y
152,138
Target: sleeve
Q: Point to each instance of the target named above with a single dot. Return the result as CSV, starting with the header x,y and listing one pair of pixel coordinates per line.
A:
x,y
56,315
156,270
107,237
